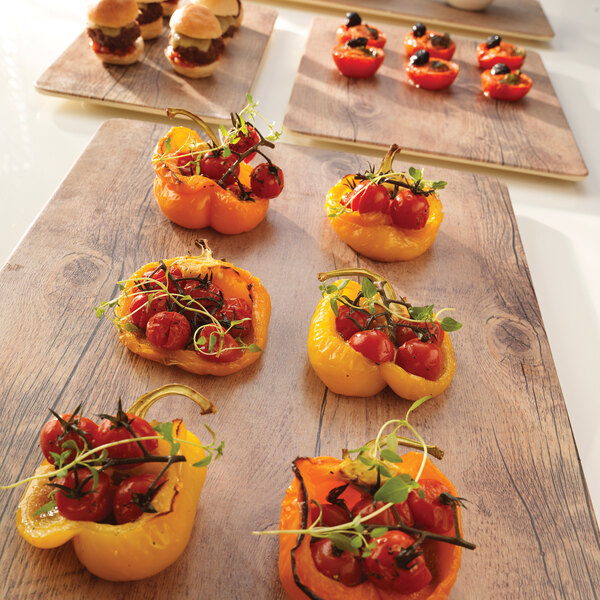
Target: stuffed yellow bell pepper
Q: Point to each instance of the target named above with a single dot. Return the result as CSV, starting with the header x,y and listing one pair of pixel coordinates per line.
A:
x,y
362,338
132,541
385,215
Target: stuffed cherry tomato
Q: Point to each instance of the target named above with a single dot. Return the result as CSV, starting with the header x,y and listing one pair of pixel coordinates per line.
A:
x,y
494,51
439,45
503,84
356,59
430,73
367,361
355,28
386,215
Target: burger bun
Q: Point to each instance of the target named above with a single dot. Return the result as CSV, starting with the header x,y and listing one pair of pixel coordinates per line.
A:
x,y
221,8
152,30
195,21
112,13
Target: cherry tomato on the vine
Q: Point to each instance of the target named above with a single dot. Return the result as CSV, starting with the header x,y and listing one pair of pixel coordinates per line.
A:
x,y
215,165
432,330
373,344
109,431
409,211
126,502
78,429
266,180
342,566
347,319
245,141
203,293
142,308
429,512
332,515
92,503
366,506
160,276
168,330
383,570
236,309
368,197
420,358
188,163
216,345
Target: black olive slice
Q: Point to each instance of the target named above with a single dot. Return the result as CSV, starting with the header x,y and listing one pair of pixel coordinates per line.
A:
x,y
353,19
419,58
419,29
493,41
359,42
500,69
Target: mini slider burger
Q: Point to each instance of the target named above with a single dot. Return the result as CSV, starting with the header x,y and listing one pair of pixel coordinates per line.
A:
x,y
150,18
114,34
195,43
169,7
228,12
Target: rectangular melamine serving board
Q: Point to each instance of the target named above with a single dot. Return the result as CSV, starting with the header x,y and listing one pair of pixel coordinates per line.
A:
x,y
457,124
151,84
516,18
502,422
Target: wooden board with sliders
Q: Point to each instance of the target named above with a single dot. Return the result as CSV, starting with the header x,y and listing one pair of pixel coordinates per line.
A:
x,y
502,422
151,84
457,124
517,18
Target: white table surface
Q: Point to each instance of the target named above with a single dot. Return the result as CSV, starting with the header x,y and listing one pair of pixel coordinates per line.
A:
x,y
41,138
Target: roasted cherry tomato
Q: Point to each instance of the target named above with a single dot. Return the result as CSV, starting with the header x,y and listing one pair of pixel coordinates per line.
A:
x,y
132,496
236,309
367,197
439,45
388,518
331,515
266,180
188,163
143,306
117,429
217,346
75,428
160,276
350,321
503,84
429,512
203,293
245,141
355,28
374,344
434,74
409,211
214,165
427,331
342,566
420,358
494,51
383,568
168,330
356,59
84,502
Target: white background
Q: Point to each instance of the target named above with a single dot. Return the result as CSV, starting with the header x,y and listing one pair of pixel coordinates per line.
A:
x,y
41,137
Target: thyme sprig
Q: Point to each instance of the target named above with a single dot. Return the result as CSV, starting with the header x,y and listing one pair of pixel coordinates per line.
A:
x,y
374,468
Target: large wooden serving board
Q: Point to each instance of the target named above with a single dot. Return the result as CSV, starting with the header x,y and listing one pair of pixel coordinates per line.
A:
x,y
151,84
503,423
517,18
458,124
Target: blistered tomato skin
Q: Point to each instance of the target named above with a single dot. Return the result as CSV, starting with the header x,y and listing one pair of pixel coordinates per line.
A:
x,y
52,436
168,330
108,432
344,567
125,507
421,358
430,512
387,518
349,321
93,503
373,344
217,346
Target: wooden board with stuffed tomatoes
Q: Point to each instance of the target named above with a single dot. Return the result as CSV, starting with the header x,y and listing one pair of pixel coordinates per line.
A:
x,y
502,422
457,124
517,18
150,85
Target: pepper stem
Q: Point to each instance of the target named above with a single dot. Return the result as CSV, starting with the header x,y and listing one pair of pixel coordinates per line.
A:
x,y
143,403
388,159
172,112
374,277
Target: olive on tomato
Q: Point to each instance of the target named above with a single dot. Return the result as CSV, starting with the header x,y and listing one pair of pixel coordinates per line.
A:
x,y
439,45
430,73
356,59
494,51
355,28
502,83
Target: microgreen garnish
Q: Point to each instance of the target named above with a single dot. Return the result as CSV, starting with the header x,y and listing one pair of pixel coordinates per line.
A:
x,y
378,299
375,469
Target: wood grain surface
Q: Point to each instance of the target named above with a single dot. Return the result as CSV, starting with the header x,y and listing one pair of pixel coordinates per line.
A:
x,y
151,84
517,18
457,124
503,423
